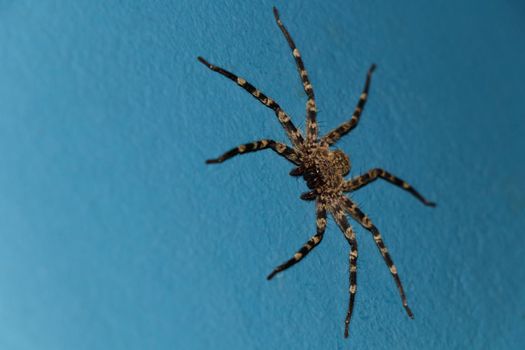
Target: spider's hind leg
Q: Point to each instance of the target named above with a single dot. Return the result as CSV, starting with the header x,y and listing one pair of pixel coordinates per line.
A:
x,y
308,246
339,216
364,221
293,133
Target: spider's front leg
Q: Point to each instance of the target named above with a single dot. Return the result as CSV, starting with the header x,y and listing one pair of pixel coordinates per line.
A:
x,y
333,136
293,133
311,108
279,148
308,246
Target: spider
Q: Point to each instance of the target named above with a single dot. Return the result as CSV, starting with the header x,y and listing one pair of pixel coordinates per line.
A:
x,y
324,170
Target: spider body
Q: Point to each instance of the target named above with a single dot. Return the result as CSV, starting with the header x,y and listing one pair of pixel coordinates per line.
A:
x,y
323,170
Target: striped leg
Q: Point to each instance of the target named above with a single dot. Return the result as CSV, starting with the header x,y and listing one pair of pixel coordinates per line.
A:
x,y
360,217
340,218
333,136
293,133
311,244
374,174
280,148
311,108
353,283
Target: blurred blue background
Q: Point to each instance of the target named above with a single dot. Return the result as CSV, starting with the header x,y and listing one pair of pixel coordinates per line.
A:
x,y
115,235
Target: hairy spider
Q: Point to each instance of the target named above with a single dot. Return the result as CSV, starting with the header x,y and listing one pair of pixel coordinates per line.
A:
x,y
323,170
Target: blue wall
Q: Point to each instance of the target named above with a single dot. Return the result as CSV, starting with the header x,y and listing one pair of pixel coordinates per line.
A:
x,y
115,235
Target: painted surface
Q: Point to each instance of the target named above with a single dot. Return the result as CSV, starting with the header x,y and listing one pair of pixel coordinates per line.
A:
x,y
115,235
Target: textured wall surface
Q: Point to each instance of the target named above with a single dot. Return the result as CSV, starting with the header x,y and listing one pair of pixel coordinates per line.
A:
x,y
114,234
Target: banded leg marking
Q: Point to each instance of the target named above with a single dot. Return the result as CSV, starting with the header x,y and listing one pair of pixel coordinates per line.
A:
x,y
364,221
333,136
339,216
293,133
279,148
311,108
353,283
374,174
308,246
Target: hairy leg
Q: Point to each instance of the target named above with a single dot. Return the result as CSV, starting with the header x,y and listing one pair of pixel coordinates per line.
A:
x,y
279,148
308,246
374,174
311,108
333,136
338,213
293,133
360,217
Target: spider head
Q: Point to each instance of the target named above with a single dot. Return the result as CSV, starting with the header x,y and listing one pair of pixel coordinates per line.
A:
x,y
341,162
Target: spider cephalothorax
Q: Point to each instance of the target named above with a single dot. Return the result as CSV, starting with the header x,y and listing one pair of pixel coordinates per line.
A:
x,y
323,170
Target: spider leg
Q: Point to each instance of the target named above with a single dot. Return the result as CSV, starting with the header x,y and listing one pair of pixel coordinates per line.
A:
x,y
279,148
364,221
311,108
308,246
293,133
333,136
339,216
374,174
